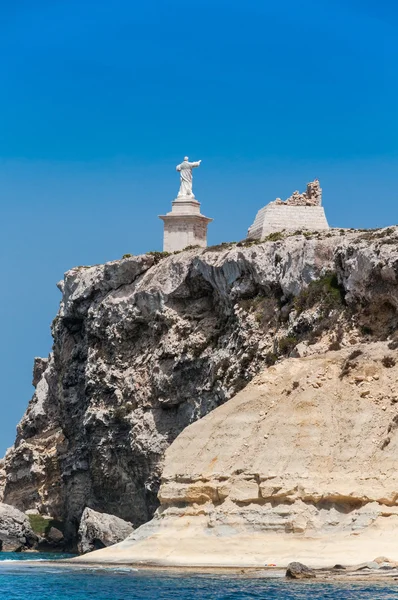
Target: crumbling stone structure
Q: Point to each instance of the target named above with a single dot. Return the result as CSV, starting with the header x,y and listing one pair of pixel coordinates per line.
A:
x,y
311,197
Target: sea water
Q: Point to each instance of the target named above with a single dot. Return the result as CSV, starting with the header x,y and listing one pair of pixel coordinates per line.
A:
x,y
20,580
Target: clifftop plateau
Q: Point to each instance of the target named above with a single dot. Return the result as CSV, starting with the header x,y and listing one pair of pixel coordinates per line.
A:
x,y
146,345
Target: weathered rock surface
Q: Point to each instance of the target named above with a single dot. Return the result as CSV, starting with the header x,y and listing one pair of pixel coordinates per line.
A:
x,y
54,536
301,464
16,534
144,347
39,366
99,530
296,570
2,477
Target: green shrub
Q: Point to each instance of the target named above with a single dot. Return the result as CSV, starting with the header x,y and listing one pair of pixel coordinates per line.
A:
x,y
325,291
354,354
273,237
286,344
335,345
239,384
377,234
388,231
388,362
350,363
276,236
270,359
42,525
157,255
267,312
127,255
265,309
366,330
249,304
222,246
247,243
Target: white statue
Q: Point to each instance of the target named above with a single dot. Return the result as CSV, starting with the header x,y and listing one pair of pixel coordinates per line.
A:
x,y
185,169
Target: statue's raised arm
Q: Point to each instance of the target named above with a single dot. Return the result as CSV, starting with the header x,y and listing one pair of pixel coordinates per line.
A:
x,y
195,164
185,170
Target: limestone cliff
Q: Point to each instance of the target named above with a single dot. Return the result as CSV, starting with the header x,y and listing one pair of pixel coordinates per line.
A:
x,y
301,464
147,345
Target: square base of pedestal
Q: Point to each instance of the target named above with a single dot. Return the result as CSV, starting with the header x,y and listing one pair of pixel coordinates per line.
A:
x,y
183,231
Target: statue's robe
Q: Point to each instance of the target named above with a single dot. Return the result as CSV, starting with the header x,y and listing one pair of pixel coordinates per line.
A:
x,y
185,169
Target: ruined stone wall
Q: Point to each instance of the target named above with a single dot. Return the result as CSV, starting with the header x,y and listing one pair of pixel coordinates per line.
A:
x,y
277,217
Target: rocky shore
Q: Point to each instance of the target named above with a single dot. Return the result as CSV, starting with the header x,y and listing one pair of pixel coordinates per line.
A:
x,y
387,574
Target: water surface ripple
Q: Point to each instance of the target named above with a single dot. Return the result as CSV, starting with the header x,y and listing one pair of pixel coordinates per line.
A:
x,y
18,581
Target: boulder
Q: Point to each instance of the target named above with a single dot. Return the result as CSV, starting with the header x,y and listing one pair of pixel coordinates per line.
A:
x,y
53,540
99,530
16,534
383,560
54,535
296,570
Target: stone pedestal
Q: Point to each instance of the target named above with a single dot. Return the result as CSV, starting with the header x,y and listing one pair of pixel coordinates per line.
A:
x,y
184,225
279,216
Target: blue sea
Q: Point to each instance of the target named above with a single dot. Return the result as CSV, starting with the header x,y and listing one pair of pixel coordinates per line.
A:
x,y
18,581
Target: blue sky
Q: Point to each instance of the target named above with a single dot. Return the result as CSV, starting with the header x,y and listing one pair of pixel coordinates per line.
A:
x,y
100,100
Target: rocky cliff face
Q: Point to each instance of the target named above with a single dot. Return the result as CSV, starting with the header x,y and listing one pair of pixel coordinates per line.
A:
x,y
147,345
302,463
